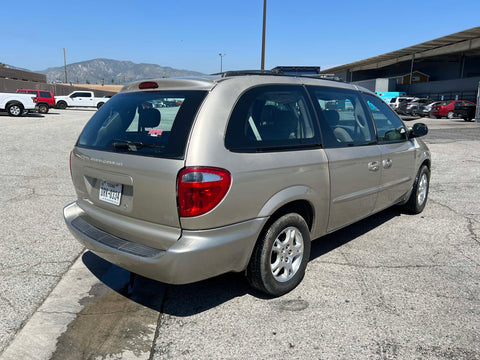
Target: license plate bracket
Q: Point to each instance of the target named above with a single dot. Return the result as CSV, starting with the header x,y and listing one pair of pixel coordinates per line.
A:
x,y
110,192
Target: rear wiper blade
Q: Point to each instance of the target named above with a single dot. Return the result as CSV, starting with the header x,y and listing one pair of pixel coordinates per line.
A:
x,y
133,145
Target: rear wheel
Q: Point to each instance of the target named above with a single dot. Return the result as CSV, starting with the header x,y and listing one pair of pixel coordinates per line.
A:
x,y
99,105
418,198
280,256
43,108
62,105
14,109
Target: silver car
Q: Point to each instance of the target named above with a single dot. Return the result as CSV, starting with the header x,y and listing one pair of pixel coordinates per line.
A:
x,y
239,173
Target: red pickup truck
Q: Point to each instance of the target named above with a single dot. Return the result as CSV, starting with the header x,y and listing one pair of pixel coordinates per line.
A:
x,y
46,100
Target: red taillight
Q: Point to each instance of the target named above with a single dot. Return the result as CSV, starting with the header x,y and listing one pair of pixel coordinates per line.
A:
x,y
200,189
35,99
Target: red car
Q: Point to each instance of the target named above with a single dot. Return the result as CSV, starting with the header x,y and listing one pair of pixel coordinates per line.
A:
x,y
445,108
46,100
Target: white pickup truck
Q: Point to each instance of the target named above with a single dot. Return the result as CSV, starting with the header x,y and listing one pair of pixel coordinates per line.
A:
x,y
80,99
17,104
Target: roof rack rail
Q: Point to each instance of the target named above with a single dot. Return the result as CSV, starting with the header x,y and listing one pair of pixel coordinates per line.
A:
x,y
248,72
276,72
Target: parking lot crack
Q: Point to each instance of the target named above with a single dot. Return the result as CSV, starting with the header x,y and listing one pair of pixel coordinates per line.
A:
x,y
362,266
470,220
160,320
472,231
3,298
30,268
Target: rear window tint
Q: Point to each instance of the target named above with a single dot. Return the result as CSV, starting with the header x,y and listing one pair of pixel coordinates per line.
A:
x,y
45,94
144,123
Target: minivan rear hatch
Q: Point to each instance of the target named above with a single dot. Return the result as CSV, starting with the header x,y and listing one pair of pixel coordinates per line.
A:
x,y
126,160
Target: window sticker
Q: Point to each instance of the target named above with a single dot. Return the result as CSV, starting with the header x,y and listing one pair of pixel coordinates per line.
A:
x,y
155,132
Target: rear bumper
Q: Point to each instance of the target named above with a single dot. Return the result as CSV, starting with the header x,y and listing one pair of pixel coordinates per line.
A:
x,y
197,255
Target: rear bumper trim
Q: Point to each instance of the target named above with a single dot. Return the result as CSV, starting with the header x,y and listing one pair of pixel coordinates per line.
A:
x,y
102,237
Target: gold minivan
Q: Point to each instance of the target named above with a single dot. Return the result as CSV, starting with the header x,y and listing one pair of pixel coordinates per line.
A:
x,y
184,179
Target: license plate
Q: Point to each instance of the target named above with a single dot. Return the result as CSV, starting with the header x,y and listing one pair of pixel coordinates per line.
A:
x,y
110,192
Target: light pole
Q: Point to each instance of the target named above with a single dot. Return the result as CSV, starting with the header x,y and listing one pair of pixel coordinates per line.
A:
x,y
221,61
263,33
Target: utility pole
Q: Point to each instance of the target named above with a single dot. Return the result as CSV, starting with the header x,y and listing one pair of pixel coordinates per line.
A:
x,y
65,65
263,35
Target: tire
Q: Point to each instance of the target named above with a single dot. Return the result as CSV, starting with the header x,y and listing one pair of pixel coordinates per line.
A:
x,y
99,105
450,115
43,108
280,256
15,109
62,105
418,198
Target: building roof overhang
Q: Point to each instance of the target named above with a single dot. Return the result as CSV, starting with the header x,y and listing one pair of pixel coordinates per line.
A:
x,y
467,41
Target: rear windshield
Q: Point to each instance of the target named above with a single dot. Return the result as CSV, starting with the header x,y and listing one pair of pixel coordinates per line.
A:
x,y
143,123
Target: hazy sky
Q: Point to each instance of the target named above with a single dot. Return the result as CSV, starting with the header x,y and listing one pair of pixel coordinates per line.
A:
x,y
190,34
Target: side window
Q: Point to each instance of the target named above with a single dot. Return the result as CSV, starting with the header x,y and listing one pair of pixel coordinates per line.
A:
x,y
45,94
271,117
389,126
343,117
80,94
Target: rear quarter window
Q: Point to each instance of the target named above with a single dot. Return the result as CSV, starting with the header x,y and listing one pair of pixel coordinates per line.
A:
x,y
270,118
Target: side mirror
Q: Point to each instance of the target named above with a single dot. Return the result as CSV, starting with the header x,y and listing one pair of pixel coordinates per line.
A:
x,y
418,130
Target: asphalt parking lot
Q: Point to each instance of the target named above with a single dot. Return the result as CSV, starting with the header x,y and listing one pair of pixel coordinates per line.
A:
x,y
393,286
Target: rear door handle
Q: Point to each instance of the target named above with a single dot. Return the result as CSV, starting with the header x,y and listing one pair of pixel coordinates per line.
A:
x,y
373,166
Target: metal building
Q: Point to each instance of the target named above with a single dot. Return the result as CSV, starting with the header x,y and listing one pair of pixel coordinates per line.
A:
x,y
442,69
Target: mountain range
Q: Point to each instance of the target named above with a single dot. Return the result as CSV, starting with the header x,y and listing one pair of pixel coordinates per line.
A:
x,y
108,72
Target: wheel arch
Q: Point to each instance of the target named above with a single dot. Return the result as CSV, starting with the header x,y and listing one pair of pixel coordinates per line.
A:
x,y
60,103
302,207
293,199
14,102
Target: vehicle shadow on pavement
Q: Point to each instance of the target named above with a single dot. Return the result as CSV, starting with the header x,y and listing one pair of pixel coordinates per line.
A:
x,y
144,291
340,237
179,300
195,298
